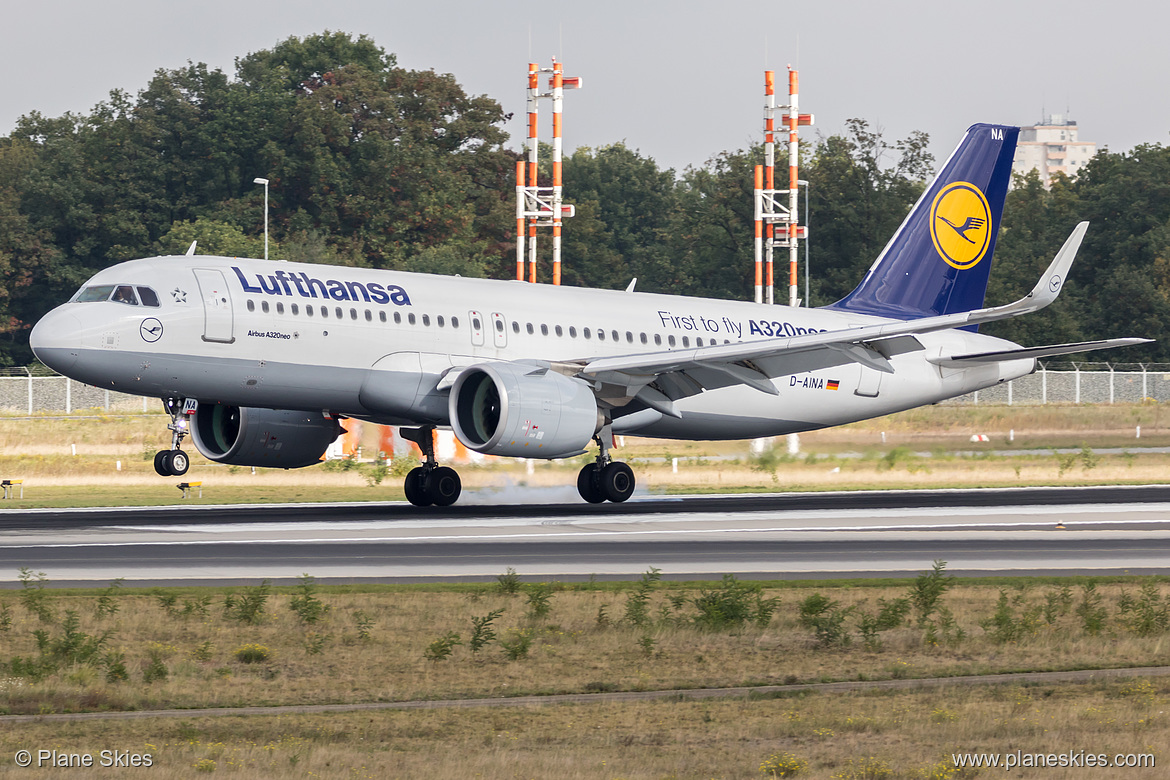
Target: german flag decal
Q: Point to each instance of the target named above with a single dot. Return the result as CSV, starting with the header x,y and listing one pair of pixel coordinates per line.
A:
x,y
833,384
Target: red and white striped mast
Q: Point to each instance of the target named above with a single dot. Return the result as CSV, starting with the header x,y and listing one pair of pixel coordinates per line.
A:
x,y
769,211
538,206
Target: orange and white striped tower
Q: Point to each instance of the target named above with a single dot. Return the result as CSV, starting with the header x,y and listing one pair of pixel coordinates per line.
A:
x,y
758,209
777,221
520,220
533,102
558,94
538,206
793,183
769,174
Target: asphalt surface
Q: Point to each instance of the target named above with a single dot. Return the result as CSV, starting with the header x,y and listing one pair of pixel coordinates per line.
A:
x,y
895,533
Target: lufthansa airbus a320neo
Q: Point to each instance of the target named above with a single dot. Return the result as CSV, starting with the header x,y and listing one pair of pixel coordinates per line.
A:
x,y
260,361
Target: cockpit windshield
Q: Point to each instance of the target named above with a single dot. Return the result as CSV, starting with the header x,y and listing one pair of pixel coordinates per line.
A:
x,y
99,292
118,293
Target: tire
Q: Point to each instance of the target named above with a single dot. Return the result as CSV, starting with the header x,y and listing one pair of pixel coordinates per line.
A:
x,y
178,462
587,484
415,490
617,482
443,486
159,467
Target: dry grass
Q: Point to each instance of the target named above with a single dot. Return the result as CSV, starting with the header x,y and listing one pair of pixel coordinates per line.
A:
x,y
572,650
894,735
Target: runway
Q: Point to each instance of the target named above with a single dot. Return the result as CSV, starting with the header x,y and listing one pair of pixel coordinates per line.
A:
x,y
780,536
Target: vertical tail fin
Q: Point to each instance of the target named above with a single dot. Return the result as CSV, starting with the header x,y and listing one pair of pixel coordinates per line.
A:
x,y
939,259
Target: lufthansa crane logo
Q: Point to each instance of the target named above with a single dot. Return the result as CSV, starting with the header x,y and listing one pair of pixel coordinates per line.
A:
x,y
960,225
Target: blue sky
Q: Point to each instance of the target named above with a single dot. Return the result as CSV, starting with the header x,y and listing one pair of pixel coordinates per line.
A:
x,y
680,81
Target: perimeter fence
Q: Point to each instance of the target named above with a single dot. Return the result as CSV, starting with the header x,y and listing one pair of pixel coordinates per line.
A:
x,y
37,391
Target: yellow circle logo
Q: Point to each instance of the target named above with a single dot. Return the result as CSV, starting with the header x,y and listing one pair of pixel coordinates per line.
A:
x,y
960,225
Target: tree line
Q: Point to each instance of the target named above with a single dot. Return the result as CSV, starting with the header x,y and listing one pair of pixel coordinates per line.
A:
x,y
375,165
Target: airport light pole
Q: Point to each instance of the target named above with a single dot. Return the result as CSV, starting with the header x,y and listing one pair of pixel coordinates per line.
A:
x,y
258,180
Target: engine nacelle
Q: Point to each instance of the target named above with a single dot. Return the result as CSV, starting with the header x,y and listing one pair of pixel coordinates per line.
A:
x,y
521,411
275,438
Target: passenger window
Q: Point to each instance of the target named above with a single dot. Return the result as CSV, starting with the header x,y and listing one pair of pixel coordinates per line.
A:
x,y
324,312
309,310
698,342
572,331
616,336
500,326
658,339
340,314
670,341
560,332
686,341
530,329
369,316
264,306
454,322
516,326
397,318
629,337
353,314
148,297
600,334
125,294
439,320
410,318
544,330
279,307
295,309
381,316
643,335
586,333
475,323
426,319
251,305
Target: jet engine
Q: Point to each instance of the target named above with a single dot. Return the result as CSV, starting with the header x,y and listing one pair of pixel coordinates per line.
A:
x,y
276,438
522,411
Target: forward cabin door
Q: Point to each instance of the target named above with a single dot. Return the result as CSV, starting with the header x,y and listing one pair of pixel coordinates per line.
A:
x,y
218,321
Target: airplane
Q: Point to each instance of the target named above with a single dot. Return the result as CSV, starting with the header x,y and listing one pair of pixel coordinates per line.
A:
x,y
260,361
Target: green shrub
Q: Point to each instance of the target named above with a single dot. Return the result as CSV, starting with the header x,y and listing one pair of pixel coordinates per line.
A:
x,y
33,596
539,599
248,608
508,583
252,653
732,605
638,602
107,602
482,632
783,765
518,645
1147,615
1091,611
365,624
442,647
305,604
928,589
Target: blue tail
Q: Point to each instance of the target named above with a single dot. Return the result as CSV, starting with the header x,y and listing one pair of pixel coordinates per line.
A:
x,y
939,260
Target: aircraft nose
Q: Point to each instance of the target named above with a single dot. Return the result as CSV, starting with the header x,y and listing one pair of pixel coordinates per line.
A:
x,y
55,340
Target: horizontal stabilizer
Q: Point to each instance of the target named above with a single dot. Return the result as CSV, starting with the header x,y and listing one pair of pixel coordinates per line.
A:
x,y
1035,352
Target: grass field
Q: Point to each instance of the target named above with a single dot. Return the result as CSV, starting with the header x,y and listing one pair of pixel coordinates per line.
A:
x,y
923,448
124,649
186,648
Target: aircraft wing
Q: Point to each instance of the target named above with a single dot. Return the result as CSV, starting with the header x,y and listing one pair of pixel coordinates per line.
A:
x,y
1035,352
679,373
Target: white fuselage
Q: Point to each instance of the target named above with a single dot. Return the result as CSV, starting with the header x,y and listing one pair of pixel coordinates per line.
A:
x,y
376,345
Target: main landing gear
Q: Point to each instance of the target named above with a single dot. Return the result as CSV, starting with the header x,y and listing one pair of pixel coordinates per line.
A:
x,y
605,480
173,462
430,483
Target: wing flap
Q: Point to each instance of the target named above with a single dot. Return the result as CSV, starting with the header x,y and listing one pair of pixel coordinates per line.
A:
x,y
1034,352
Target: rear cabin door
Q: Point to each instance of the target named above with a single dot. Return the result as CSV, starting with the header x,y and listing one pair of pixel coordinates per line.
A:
x,y
218,321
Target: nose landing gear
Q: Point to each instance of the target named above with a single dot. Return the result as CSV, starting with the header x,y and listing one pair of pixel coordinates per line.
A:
x,y
605,479
430,483
174,462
